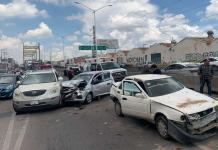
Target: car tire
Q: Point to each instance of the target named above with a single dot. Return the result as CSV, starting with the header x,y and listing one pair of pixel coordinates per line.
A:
x,y
118,109
89,98
162,126
18,111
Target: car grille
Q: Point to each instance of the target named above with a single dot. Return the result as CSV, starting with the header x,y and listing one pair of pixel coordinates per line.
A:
x,y
206,112
119,76
34,93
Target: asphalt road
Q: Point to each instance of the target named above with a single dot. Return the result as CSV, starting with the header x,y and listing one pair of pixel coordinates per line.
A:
x,y
90,127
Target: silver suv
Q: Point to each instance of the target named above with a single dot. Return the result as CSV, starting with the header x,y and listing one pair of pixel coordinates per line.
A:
x,y
116,71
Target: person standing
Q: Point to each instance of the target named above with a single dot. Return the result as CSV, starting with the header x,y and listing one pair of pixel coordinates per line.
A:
x,y
155,69
205,72
70,73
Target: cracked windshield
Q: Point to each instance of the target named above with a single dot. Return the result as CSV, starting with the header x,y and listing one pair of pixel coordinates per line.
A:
x,y
108,74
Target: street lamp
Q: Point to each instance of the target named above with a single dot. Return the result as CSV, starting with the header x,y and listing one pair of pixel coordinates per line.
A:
x,y
94,51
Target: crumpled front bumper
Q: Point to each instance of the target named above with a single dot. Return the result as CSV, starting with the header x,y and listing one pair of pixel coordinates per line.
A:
x,y
183,137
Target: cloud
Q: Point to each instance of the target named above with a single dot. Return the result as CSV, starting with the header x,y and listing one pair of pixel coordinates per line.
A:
x,y
20,9
57,2
211,11
135,23
13,46
42,31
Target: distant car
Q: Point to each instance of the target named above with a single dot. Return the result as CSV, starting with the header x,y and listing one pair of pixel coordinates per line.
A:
x,y
181,68
117,72
38,89
86,86
7,85
176,111
76,69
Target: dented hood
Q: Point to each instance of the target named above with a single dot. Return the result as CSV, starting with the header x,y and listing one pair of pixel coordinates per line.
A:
x,y
71,83
186,101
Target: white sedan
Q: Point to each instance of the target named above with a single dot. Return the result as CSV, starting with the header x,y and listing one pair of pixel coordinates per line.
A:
x,y
176,111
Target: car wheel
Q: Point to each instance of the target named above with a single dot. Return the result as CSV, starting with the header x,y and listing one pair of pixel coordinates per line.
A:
x,y
18,111
162,126
89,98
118,109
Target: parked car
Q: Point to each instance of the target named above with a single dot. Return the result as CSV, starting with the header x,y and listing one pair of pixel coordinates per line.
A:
x,y
86,86
7,85
181,68
176,111
117,72
38,89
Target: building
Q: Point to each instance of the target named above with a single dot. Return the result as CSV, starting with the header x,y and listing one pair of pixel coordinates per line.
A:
x,y
189,49
196,48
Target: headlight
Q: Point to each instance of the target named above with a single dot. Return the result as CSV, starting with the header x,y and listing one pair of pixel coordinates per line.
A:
x,y
9,87
194,117
16,93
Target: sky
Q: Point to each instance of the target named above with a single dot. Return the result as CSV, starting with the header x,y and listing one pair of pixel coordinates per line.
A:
x,y
135,23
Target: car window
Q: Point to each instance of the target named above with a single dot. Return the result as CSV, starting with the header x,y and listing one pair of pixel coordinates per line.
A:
x,y
160,87
98,78
130,89
107,76
177,66
141,84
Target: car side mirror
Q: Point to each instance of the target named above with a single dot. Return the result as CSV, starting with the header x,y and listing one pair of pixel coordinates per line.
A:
x,y
60,79
139,95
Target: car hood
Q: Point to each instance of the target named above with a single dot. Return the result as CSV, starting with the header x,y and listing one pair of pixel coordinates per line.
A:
x,y
71,83
3,86
43,86
186,101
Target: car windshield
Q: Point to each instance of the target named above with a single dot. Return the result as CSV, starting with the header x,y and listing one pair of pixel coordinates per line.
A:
x,y
160,87
7,80
39,78
86,77
109,65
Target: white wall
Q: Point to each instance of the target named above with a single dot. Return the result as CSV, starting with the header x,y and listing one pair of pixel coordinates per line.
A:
x,y
194,49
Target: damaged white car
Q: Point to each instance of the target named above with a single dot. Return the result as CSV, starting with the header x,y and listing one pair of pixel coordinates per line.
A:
x,y
176,111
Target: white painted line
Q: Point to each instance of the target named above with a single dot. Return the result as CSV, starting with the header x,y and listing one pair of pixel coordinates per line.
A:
x,y
21,135
9,132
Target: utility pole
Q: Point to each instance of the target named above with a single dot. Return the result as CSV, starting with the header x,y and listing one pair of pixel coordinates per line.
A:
x,y
94,50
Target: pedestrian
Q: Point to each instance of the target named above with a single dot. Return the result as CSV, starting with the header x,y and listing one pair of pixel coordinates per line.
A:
x,y
205,73
70,73
155,69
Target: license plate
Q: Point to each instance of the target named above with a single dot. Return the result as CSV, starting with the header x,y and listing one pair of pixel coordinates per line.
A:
x,y
34,103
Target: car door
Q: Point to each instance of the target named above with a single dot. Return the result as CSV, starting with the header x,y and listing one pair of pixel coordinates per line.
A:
x,y
98,85
108,81
133,100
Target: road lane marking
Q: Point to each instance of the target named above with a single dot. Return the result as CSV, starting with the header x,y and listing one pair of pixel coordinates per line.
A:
x,y
21,135
9,132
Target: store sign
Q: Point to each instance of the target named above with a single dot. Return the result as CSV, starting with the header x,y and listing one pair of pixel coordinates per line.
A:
x,y
136,60
109,43
200,56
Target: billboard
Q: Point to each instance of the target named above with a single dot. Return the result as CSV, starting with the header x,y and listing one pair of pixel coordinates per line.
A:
x,y
109,43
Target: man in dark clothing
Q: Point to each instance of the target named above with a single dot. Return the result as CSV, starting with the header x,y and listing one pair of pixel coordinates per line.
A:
x,y
70,73
206,74
155,70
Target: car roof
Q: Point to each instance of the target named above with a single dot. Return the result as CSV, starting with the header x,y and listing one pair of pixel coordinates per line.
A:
x,y
146,77
94,72
42,71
